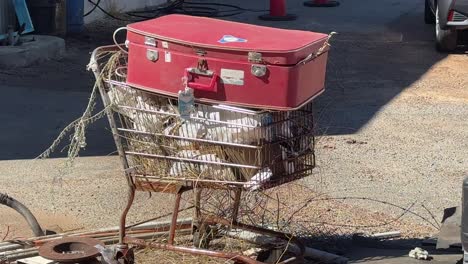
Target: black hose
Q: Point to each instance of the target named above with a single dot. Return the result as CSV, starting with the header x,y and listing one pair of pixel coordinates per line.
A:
x,y
92,9
24,211
208,9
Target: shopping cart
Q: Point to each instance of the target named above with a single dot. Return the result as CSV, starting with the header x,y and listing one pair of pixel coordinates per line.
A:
x,y
216,147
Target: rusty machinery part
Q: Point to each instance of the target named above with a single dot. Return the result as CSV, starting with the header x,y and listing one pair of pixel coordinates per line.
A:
x,y
71,249
24,211
195,251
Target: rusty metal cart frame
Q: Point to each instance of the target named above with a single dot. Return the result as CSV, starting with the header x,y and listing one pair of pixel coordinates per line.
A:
x,y
178,187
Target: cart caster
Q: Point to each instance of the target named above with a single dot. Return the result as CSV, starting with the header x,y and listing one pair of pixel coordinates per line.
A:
x,y
271,256
125,255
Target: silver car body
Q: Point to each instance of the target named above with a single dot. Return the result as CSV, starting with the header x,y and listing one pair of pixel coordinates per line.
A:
x,y
460,15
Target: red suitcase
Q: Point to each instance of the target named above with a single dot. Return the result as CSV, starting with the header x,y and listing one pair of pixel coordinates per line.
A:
x,y
227,62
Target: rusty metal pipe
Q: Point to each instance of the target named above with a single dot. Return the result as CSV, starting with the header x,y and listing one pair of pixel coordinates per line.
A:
x,y
194,251
20,254
237,200
145,236
175,214
161,230
183,224
123,217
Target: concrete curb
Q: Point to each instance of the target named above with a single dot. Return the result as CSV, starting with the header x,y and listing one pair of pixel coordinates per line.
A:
x,y
42,48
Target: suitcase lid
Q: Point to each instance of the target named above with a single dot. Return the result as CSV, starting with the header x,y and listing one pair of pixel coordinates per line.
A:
x,y
217,34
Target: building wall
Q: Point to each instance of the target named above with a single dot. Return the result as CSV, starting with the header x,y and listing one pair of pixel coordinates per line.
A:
x,y
117,6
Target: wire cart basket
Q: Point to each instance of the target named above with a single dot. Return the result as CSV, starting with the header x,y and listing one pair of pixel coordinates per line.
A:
x,y
217,147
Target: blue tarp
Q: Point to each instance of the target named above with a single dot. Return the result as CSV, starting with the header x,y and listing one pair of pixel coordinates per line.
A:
x,y
23,16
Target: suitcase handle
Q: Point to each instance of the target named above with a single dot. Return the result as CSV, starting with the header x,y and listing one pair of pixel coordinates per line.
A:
x,y
198,86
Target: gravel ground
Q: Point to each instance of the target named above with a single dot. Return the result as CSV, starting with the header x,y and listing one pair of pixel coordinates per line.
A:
x,y
92,196
392,128
414,148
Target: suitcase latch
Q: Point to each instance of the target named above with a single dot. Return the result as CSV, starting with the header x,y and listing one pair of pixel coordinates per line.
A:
x,y
255,57
258,70
200,52
150,41
202,65
201,69
152,55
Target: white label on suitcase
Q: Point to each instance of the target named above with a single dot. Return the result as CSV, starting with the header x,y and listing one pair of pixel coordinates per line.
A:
x,y
234,77
167,56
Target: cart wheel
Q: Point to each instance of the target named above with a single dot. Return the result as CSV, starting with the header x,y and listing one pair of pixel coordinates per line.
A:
x,y
271,255
128,258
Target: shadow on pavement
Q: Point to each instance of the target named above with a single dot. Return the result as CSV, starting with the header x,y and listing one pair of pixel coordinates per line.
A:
x,y
366,72
41,100
367,69
364,255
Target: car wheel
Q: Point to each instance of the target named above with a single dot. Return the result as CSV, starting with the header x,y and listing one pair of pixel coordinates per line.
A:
x,y
429,16
446,39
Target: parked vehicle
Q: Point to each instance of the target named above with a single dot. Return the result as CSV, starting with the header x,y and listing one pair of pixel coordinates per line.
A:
x,y
464,221
450,17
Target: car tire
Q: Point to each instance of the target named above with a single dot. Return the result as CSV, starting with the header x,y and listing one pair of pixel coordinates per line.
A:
x,y
429,17
446,39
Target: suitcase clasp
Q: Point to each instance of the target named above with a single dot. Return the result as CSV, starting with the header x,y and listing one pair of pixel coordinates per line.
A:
x,y
152,55
202,65
255,57
258,70
150,41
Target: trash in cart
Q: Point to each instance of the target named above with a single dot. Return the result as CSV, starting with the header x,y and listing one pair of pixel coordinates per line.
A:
x,y
213,143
